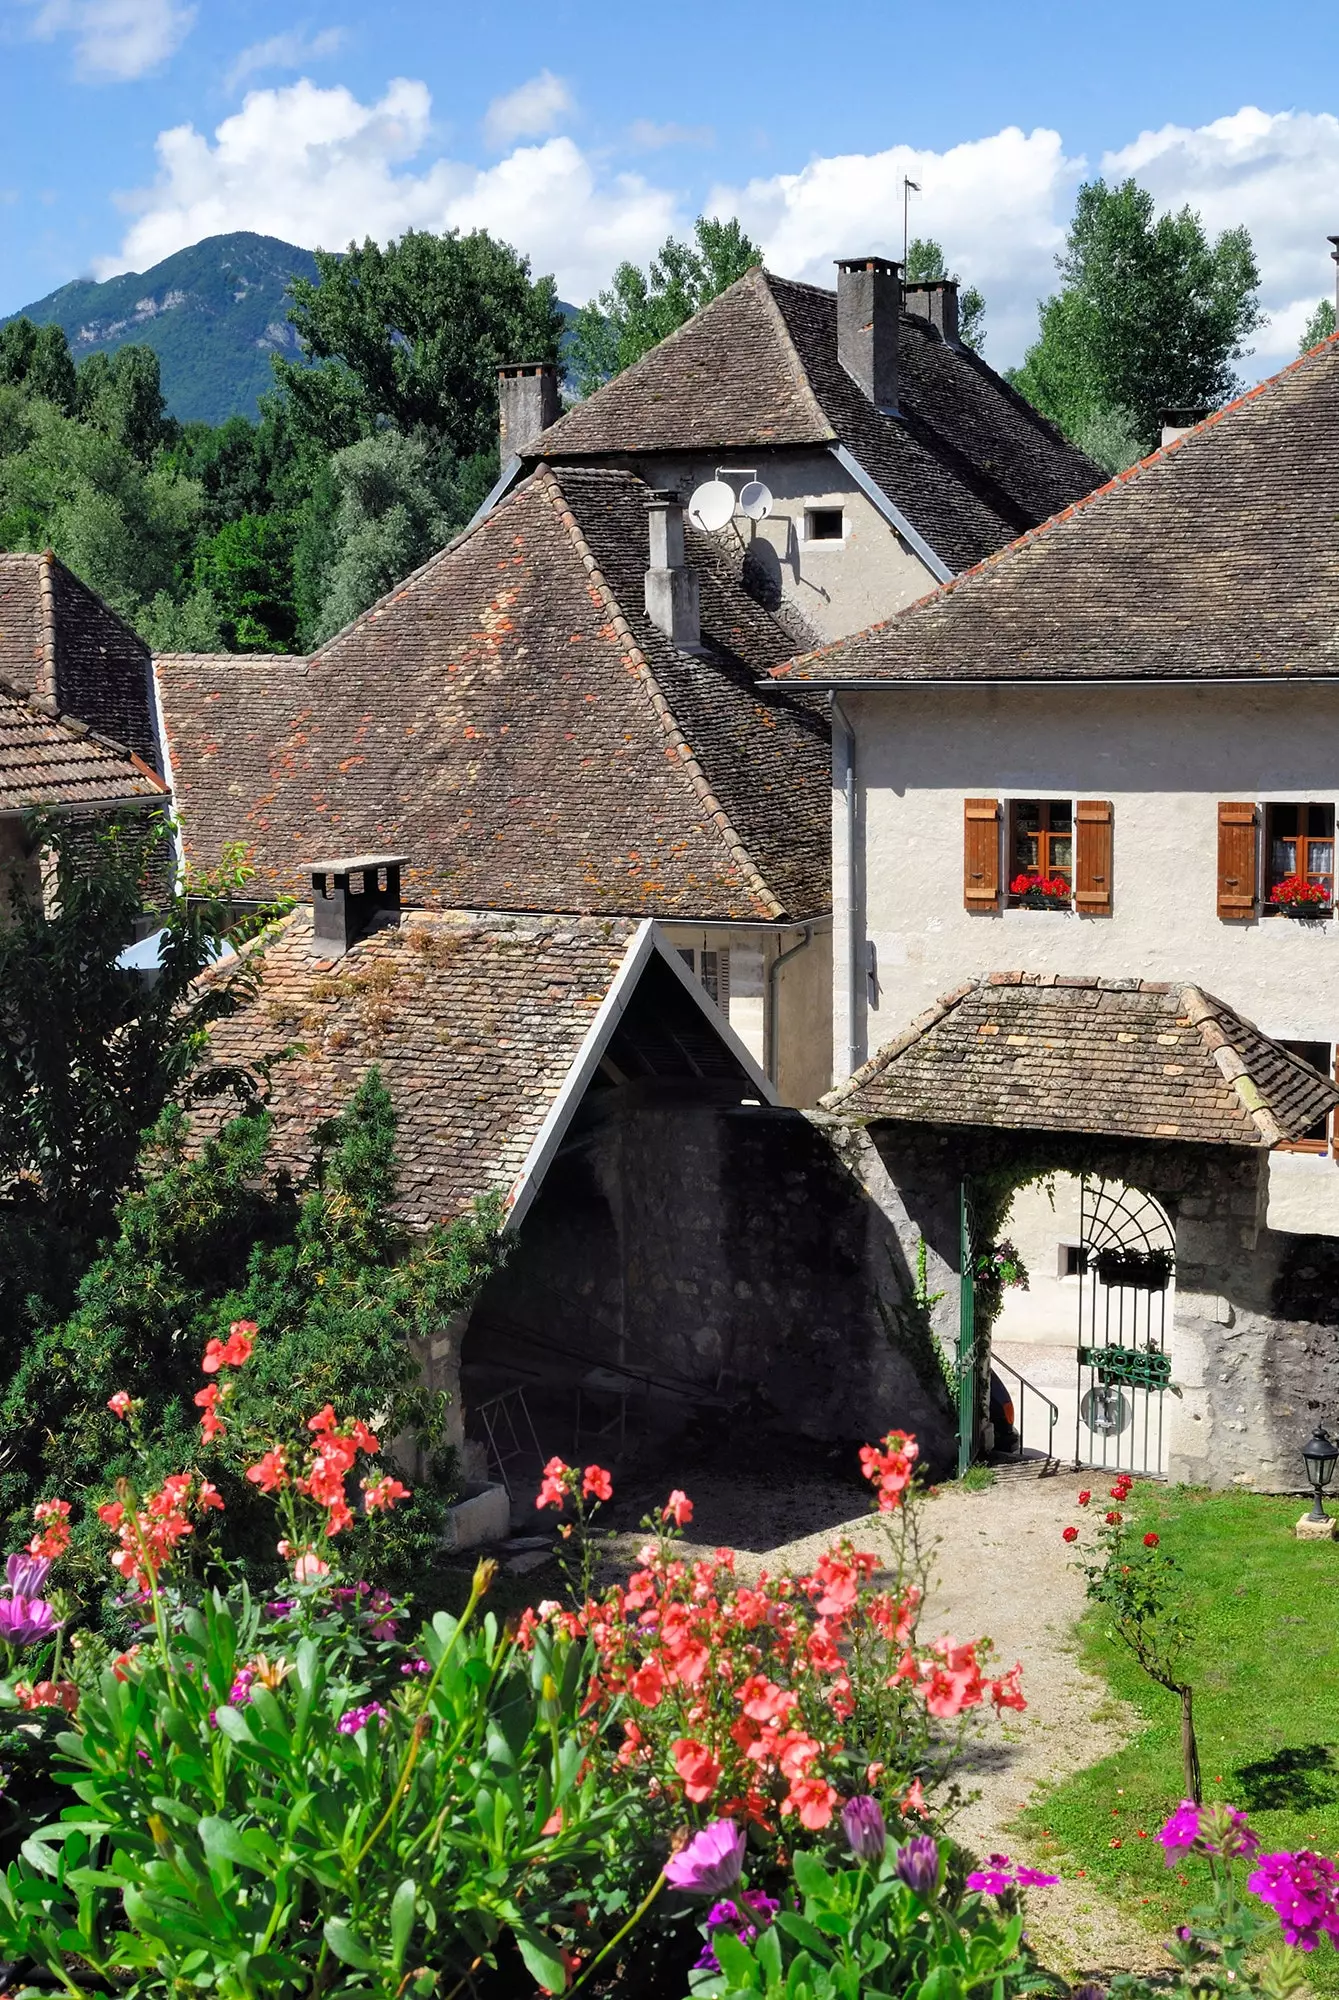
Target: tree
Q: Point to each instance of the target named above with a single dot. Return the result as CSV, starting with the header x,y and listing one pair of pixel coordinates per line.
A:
x,y
246,568
37,359
393,509
1319,327
925,266
121,395
1150,315
642,307
413,336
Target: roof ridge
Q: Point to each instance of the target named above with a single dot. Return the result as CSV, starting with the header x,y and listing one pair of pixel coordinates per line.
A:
x,y
679,747
797,359
1206,1014
1054,522
920,1027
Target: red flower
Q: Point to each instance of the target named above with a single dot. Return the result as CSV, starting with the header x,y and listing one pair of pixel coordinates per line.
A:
x,y
53,1519
596,1484
1113,1519
382,1494
553,1486
269,1472
119,1404
697,1768
1150,1541
1070,1535
210,1496
232,1352
1084,1498
678,1508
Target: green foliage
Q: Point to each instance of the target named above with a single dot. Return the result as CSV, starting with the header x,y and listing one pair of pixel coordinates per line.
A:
x,y
392,510
642,307
1150,315
246,570
344,1299
1319,327
909,1325
412,336
120,395
247,1844
37,359
925,265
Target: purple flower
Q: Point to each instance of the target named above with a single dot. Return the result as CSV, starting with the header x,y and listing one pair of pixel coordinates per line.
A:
x,y
917,1864
1003,1875
711,1862
280,1607
862,1823
1089,1991
27,1574
417,1665
25,1620
1032,1878
240,1691
354,1719
729,1916
990,1881
1303,1891
1181,1831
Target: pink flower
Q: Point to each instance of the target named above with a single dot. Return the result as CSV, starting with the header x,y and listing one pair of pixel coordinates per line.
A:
x,y
553,1485
382,1494
1303,1891
711,1862
596,1484
120,1404
678,1508
232,1352
269,1472
309,1568
698,1770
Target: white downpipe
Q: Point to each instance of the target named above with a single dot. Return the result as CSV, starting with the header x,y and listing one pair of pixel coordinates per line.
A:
x,y
843,728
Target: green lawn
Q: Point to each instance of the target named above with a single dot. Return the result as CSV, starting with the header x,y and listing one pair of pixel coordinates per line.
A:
x,y
1265,1671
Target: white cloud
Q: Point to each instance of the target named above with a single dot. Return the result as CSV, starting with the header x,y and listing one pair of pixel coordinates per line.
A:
x,y
319,167
998,206
292,50
528,112
116,40
645,136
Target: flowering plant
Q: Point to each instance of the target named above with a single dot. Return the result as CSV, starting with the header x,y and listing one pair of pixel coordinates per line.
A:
x,y
769,1699
1296,892
1042,891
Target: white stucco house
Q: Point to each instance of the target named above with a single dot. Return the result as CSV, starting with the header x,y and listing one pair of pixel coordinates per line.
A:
x,y
1138,704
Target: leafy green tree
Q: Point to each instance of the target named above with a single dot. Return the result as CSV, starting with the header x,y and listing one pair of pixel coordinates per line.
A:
x,y
1319,327
412,336
1150,315
642,307
90,1054
393,509
246,568
121,395
925,266
191,624
37,359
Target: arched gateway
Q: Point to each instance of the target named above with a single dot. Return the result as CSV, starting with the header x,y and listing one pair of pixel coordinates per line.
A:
x,y
1166,1103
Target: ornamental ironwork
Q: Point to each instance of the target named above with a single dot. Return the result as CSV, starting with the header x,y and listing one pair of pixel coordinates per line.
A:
x,y
1138,1368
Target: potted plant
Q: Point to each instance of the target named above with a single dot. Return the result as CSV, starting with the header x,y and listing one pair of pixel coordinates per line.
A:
x,y
1295,896
1040,892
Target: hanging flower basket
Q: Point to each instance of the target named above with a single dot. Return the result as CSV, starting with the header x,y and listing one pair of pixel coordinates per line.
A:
x,y
1294,896
1139,1270
1040,892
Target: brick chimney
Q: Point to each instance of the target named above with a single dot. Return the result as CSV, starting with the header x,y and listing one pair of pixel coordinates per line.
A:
x,y
869,305
672,599
937,301
341,913
527,396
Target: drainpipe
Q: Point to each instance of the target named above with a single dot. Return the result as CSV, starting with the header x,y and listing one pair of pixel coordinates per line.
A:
x,y
773,1046
853,970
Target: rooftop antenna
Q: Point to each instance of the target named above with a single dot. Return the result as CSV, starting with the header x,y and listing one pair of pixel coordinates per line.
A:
x,y
909,188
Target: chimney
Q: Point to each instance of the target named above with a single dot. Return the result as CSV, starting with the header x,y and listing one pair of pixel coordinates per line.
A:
x,y
527,396
869,305
672,600
1175,423
937,301
341,913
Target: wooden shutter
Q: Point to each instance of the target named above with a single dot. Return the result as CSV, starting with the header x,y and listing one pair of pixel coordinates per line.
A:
x,y
1092,857
981,854
1236,858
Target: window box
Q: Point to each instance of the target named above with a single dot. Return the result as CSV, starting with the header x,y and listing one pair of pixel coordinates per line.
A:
x,y
1306,911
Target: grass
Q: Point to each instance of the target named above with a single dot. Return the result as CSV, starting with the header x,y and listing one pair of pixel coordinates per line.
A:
x,y
1265,1670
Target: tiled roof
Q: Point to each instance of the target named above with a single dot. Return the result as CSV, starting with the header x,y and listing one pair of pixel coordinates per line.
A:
x,y
1215,557
474,1022
60,644
52,760
968,461
510,719
1103,1056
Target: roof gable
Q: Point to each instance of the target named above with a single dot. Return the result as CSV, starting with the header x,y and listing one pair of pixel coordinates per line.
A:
x,y
49,761
1214,558
60,644
512,723
1115,1058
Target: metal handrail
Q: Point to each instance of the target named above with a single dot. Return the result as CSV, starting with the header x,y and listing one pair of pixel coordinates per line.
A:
x,y
1024,1386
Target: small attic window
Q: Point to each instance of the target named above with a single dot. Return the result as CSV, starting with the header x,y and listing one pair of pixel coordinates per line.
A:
x,y
824,524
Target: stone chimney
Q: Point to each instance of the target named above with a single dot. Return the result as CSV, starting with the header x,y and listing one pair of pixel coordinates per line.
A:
x,y
341,913
869,305
937,301
527,397
1175,423
672,600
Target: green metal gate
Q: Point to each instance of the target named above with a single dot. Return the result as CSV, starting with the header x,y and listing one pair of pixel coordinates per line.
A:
x,y
968,1360
1127,1266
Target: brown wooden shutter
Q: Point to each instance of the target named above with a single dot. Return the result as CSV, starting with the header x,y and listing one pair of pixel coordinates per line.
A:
x,y
981,854
1092,857
1236,858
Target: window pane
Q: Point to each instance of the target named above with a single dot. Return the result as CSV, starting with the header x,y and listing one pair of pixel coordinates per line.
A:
x,y
1282,859
1320,822
1283,822
1320,860
1061,815
1027,814
711,975
1061,853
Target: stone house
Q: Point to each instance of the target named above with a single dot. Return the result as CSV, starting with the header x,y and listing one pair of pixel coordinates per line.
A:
x,y
557,713
895,456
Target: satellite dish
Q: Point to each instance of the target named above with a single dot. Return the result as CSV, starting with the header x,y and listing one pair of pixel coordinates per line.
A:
x,y
712,506
755,500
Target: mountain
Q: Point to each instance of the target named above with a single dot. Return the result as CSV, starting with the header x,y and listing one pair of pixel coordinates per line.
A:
x,y
214,314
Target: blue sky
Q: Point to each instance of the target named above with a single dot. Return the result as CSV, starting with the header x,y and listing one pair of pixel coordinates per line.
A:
x,y
583,133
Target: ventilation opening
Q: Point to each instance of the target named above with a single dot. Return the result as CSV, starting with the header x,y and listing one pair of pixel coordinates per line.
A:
x,y
824,524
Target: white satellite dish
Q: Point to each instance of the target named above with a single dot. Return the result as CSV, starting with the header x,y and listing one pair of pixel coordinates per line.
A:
x,y
755,500
712,506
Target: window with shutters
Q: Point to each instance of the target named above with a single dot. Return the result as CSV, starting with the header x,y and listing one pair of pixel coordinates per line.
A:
x,y
1238,820
1041,845
1320,1055
711,969
1299,841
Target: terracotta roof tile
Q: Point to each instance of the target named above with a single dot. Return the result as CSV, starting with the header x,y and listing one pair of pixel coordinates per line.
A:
x,y
60,643
52,761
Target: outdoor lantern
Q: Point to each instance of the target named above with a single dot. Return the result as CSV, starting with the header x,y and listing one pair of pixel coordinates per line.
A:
x,y
1319,1456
